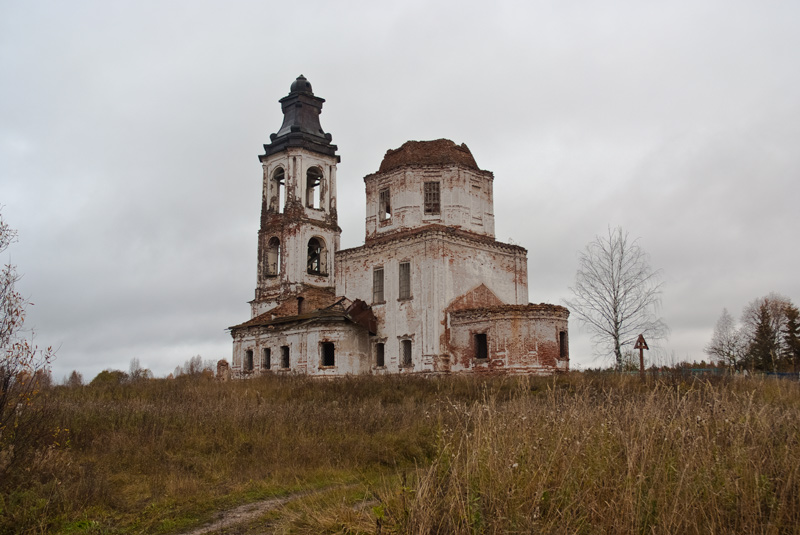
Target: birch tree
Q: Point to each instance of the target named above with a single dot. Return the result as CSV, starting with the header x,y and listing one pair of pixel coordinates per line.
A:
x,y
617,294
727,345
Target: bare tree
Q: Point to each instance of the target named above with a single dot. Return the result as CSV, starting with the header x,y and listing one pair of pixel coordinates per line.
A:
x,y
617,294
137,373
727,345
195,366
24,371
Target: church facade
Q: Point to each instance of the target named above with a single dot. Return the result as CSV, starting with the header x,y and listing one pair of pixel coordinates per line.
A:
x,y
430,291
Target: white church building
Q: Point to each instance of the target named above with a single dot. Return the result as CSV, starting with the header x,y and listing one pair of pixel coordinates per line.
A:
x,y
430,291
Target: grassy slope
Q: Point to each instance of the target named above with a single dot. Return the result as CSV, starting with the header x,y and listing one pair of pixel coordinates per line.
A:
x,y
581,453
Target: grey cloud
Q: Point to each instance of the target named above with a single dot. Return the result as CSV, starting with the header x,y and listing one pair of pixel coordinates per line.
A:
x,y
130,133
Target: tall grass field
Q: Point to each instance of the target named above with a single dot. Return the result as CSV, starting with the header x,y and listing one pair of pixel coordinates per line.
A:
x,y
578,453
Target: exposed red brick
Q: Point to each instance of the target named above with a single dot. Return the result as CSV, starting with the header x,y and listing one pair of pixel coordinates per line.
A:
x,y
437,152
438,281
481,297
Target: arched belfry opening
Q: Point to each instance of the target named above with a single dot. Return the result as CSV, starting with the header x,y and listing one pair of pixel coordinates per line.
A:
x,y
317,257
314,187
299,231
273,265
277,199
431,290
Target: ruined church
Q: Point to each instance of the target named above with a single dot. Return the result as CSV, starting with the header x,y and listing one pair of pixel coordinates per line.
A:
x,y
430,291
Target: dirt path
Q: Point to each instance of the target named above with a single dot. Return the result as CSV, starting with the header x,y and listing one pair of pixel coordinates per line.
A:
x,y
251,511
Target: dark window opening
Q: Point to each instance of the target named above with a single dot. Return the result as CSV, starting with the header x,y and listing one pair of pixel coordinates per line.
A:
x,y
266,358
248,360
379,355
562,345
328,354
317,257
481,347
377,285
284,356
300,305
432,198
277,201
405,352
384,205
313,181
405,280
273,257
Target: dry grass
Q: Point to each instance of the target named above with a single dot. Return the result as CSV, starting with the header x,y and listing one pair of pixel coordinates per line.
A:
x,y
577,454
612,456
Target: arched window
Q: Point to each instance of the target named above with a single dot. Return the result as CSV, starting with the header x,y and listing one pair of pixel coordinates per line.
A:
x,y
317,257
273,266
276,201
313,187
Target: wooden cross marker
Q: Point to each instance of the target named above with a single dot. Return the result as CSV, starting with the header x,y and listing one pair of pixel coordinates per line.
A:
x,y
641,345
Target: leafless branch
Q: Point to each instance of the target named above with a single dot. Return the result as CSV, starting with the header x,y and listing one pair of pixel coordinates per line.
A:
x,y
617,294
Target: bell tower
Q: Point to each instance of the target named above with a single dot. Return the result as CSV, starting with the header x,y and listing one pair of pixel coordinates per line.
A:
x,y
299,232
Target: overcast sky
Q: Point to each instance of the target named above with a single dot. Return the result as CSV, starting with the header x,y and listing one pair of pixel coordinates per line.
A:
x,y
129,136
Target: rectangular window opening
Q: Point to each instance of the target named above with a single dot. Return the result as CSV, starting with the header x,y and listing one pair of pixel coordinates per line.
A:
x,y
328,354
284,356
562,345
379,355
405,280
405,352
266,358
432,198
248,360
384,205
481,346
377,286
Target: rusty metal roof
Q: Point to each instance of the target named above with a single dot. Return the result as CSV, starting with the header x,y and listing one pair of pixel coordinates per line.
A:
x,y
343,309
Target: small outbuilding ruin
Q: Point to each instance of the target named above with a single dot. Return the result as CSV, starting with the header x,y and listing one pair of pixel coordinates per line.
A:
x,y
430,291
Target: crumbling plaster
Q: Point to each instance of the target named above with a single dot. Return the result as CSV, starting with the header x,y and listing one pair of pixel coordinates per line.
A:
x,y
305,355
466,200
429,233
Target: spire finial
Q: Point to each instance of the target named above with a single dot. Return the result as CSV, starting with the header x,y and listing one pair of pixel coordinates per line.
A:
x,y
301,85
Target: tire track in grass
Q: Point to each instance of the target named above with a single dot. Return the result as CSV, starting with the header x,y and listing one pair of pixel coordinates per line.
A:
x,y
252,511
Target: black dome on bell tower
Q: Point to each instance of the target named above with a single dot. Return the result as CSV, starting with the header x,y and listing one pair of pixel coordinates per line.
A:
x,y
301,128
301,85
